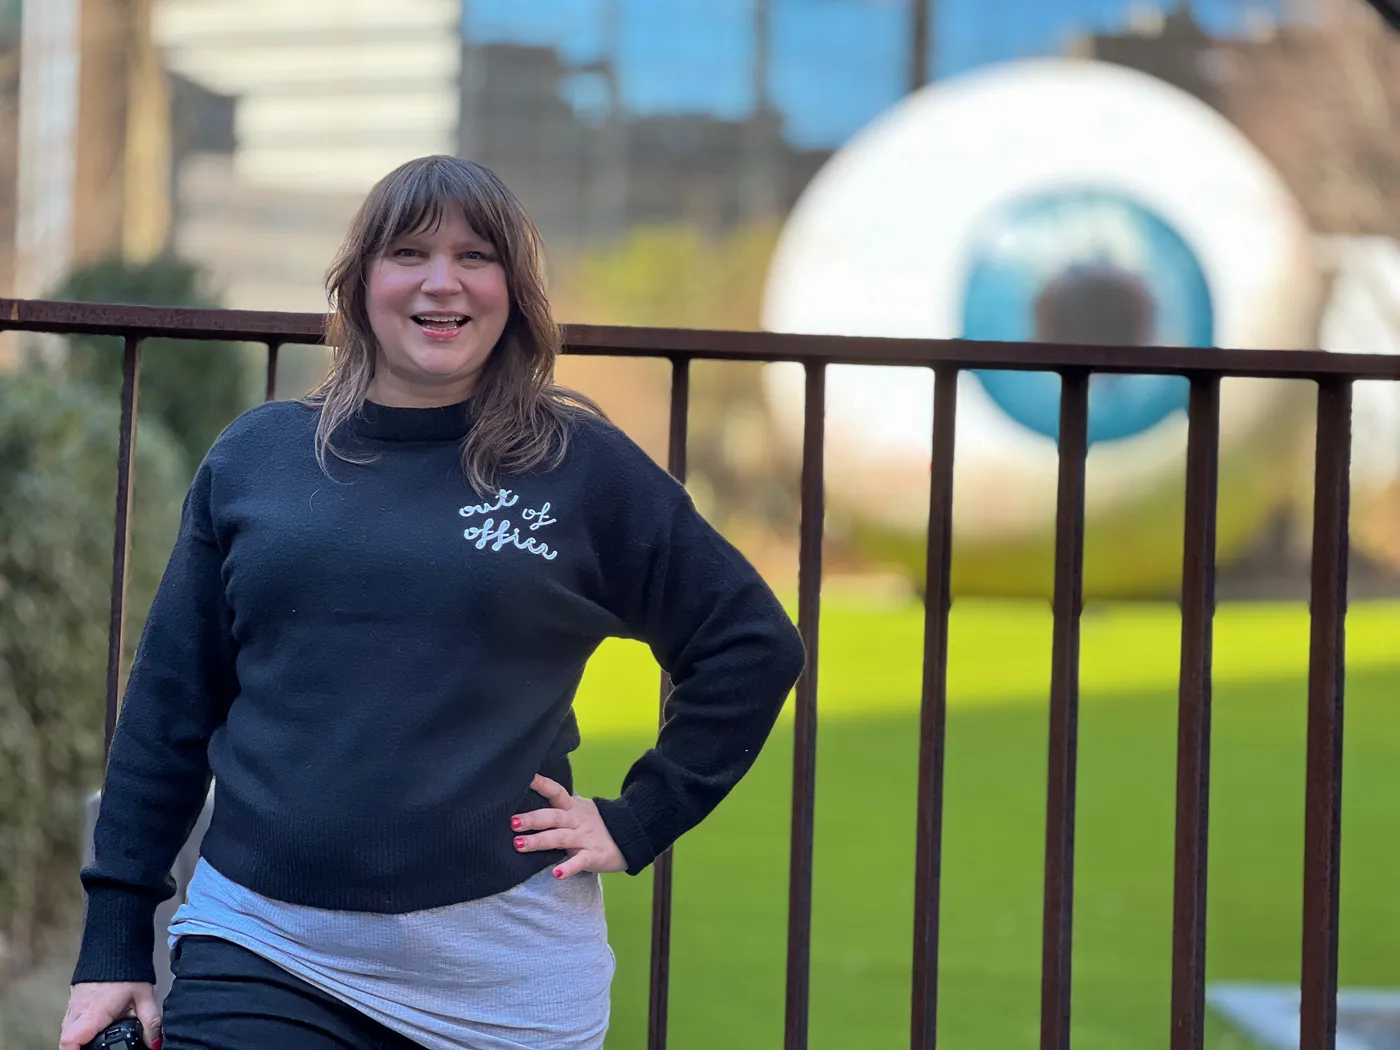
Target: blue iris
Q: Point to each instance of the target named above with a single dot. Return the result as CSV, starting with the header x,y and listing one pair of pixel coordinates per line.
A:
x,y
1085,266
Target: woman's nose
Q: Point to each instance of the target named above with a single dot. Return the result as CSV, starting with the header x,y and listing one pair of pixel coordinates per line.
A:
x,y
441,276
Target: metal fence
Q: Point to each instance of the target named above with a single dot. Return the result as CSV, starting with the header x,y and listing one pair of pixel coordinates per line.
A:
x,y
1333,374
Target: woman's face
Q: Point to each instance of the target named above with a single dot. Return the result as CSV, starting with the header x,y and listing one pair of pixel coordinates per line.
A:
x,y
437,302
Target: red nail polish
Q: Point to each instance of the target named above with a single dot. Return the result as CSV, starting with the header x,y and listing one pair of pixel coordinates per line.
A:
x,y
519,843
558,873
155,1045
515,823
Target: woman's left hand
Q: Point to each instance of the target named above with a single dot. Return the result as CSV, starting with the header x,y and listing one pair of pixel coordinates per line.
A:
x,y
573,824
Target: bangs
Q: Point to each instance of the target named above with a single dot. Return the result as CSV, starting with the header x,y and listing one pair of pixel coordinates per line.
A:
x,y
416,200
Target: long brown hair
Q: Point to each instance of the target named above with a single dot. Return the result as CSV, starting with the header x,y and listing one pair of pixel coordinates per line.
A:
x,y
520,416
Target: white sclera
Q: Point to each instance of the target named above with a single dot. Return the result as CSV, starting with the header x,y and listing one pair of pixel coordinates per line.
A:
x,y
878,246
1363,316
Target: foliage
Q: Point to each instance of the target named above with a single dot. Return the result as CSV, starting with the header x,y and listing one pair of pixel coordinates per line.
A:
x,y
673,276
195,388
678,276
58,446
58,441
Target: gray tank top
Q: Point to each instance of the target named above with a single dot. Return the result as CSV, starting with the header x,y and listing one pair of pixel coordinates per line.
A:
x,y
526,969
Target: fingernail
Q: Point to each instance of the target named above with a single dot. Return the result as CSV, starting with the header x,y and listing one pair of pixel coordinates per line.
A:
x,y
519,843
515,823
155,1045
558,873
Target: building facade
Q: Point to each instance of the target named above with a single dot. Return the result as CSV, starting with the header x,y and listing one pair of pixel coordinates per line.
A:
x,y
283,115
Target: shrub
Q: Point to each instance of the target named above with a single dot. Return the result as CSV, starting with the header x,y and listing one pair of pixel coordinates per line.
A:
x,y
58,445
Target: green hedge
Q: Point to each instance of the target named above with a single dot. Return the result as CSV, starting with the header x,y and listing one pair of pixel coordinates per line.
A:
x,y
58,442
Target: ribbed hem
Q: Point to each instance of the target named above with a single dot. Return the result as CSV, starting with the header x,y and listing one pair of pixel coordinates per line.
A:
x,y
118,937
627,832
360,862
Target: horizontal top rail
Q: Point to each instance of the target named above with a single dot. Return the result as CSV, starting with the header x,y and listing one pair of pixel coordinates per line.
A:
x,y
164,322
35,315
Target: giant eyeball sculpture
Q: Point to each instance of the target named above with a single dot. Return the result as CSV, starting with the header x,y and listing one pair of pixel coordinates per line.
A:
x,y
1058,201
1363,316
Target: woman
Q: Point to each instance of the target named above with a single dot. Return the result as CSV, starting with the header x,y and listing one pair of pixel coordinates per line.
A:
x,y
370,632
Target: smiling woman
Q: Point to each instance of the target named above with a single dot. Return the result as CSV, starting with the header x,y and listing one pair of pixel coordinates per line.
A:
x,y
442,266
371,632
437,303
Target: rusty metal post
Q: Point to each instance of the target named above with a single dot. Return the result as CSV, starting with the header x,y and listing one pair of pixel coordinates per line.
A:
x,y
804,757
121,538
271,388
658,1009
1057,945
928,859
1322,836
1193,716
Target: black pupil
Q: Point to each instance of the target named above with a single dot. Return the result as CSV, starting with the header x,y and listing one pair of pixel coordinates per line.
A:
x,y
1100,306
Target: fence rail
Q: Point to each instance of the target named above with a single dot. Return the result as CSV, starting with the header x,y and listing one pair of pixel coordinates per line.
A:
x,y
1334,375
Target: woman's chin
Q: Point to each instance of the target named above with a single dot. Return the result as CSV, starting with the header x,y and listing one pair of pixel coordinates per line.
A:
x,y
442,365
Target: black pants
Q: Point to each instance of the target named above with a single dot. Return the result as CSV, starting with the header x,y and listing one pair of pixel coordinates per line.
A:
x,y
228,998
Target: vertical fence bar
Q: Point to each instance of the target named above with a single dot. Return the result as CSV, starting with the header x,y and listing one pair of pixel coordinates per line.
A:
x,y
121,537
804,759
658,1009
272,349
1326,675
1064,715
1193,716
923,1033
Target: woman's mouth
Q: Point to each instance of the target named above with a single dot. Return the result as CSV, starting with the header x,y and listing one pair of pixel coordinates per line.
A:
x,y
440,325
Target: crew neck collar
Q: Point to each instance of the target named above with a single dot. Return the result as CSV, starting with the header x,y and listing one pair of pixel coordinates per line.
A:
x,y
385,423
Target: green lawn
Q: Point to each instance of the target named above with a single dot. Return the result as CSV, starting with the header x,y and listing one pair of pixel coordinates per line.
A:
x,y
731,881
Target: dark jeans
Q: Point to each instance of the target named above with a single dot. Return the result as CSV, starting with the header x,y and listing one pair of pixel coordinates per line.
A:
x,y
228,998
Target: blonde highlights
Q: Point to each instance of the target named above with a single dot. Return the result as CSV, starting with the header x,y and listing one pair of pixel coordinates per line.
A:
x,y
520,416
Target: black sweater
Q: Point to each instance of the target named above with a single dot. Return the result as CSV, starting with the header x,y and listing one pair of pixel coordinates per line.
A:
x,y
373,666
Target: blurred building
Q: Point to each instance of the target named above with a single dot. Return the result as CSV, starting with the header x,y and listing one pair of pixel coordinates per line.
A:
x,y
84,151
1171,46
45,161
9,138
1317,98
588,177
93,154
242,133
330,94
283,115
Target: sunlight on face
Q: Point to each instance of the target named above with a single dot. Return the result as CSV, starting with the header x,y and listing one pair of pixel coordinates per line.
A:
x,y
438,302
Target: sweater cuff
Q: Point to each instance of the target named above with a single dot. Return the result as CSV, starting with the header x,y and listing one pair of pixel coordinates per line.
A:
x,y
118,937
627,832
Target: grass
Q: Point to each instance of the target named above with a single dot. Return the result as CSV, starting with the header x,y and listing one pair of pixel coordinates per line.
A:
x,y
730,916
731,873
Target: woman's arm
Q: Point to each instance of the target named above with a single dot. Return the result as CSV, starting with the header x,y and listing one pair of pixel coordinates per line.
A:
x,y
716,627
181,684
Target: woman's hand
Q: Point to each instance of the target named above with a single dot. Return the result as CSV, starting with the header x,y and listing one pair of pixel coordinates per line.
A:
x,y
92,1007
573,824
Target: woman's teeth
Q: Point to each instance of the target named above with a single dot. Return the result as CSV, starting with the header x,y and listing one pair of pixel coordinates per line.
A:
x,y
441,322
